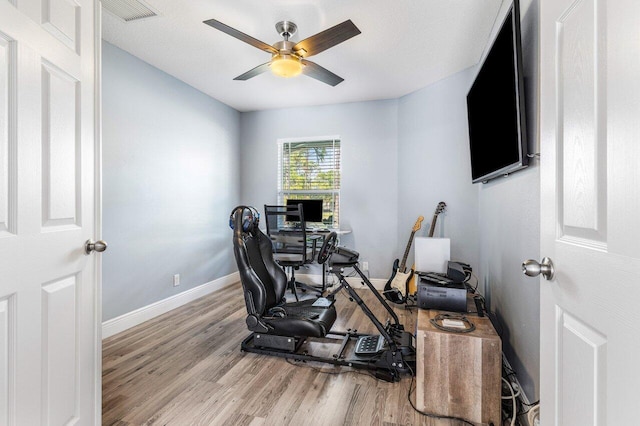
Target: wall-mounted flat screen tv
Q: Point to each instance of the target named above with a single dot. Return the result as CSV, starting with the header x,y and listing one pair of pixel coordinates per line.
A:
x,y
495,107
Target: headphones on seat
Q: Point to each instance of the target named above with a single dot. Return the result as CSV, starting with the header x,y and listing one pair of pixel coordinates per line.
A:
x,y
250,218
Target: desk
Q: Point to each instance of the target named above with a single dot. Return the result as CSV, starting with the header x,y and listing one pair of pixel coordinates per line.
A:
x,y
311,231
315,235
459,374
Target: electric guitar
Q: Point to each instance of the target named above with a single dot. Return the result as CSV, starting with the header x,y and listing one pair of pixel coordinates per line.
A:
x,y
396,288
413,282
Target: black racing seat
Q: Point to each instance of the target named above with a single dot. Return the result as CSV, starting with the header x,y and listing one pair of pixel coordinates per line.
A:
x,y
264,284
292,330
302,319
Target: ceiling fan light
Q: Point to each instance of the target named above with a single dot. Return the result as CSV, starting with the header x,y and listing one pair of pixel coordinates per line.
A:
x,y
286,66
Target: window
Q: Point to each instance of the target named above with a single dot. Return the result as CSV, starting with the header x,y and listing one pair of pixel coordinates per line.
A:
x,y
310,169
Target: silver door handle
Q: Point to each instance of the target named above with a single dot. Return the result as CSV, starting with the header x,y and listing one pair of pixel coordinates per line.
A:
x,y
91,245
531,268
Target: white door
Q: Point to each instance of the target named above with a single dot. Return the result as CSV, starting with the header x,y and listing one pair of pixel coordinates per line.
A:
x,y
590,211
49,339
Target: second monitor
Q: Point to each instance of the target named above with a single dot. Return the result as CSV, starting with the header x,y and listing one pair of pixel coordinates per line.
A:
x,y
311,209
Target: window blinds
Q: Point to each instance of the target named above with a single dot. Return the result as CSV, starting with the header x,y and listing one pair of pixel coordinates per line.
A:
x,y
311,169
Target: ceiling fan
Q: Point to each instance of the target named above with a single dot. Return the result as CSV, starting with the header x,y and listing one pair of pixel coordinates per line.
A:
x,y
288,59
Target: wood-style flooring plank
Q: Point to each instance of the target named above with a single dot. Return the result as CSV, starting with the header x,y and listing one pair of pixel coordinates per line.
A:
x,y
185,368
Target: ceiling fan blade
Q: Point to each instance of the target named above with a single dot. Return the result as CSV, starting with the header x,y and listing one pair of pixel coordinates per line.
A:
x,y
326,39
253,72
314,70
240,36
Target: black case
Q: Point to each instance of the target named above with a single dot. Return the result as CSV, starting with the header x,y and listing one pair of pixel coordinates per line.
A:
x,y
450,297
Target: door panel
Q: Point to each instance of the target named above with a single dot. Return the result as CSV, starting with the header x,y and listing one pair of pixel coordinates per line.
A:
x,y
589,109
61,18
580,178
582,355
60,366
7,343
49,299
60,148
7,136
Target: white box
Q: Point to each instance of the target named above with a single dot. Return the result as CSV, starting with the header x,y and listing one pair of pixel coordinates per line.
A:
x,y
432,254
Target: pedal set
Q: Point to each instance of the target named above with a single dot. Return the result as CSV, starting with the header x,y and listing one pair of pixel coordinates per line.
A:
x,y
369,345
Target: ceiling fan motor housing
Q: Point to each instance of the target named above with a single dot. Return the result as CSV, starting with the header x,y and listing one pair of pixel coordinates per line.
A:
x,y
284,47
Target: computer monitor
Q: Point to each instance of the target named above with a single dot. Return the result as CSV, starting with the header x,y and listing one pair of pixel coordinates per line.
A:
x,y
311,209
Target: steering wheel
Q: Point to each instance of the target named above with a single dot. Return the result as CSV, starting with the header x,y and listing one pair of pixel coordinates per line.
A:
x,y
327,247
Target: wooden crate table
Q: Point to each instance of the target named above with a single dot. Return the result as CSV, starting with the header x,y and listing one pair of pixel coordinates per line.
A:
x,y
459,374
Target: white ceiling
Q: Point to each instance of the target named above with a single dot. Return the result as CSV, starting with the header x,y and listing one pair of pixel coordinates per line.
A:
x,y
405,45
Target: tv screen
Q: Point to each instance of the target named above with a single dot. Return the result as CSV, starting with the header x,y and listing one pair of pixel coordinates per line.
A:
x,y
495,107
311,210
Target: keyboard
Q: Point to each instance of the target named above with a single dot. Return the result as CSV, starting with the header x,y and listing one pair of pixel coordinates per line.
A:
x,y
293,228
369,345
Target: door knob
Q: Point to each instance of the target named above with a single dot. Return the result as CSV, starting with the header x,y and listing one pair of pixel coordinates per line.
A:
x,y
91,245
531,268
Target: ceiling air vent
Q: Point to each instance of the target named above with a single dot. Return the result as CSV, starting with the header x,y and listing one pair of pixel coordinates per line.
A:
x,y
128,10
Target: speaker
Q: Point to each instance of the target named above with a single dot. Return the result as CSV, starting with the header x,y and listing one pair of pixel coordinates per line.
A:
x,y
450,297
457,271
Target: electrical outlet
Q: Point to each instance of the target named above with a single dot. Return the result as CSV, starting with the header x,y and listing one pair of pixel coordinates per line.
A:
x,y
365,266
176,280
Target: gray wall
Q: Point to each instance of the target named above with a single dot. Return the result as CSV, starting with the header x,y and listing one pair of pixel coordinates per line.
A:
x,y
170,179
368,196
509,217
493,226
433,153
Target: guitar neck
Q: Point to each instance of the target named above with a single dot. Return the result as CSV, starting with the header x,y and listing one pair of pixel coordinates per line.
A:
x,y
439,209
406,251
432,228
415,228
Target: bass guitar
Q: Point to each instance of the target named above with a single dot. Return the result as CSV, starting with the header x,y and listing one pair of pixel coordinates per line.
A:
x,y
395,289
413,281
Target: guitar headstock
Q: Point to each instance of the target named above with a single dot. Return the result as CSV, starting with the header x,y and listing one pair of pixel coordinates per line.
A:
x,y
418,224
440,208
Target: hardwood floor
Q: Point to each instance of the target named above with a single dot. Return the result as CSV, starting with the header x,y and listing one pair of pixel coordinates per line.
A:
x,y
185,368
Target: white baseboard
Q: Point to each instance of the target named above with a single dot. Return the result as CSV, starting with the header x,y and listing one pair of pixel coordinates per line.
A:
x,y
316,279
133,318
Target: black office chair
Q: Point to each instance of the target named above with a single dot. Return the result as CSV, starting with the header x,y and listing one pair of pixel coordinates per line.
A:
x,y
276,324
290,246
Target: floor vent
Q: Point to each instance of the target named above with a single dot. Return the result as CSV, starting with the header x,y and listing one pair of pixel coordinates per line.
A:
x,y
128,10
